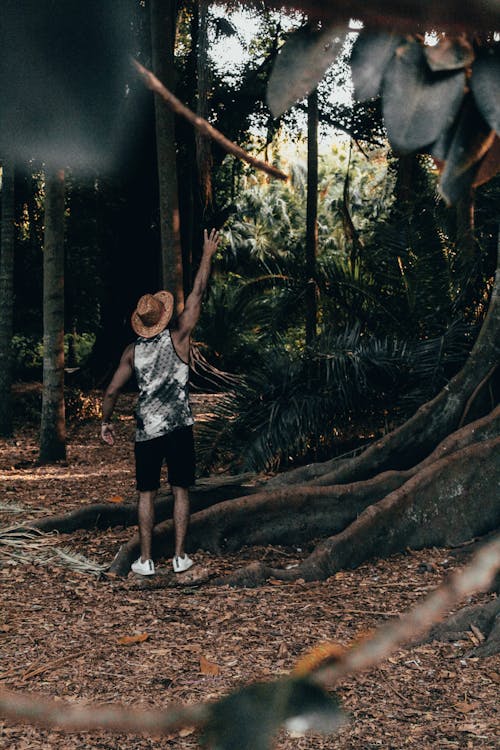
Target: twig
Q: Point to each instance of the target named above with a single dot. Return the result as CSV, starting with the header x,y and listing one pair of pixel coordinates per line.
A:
x,y
34,671
75,717
202,125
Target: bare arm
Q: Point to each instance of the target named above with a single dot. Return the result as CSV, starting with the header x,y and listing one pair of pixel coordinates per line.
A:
x,y
120,378
192,309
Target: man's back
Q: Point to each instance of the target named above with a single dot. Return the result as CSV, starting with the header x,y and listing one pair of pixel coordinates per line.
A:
x,y
162,378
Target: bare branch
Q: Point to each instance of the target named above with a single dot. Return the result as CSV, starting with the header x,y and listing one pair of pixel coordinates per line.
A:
x,y
202,125
476,576
77,717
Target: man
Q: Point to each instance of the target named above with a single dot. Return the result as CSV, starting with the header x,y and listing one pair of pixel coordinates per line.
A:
x,y
160,358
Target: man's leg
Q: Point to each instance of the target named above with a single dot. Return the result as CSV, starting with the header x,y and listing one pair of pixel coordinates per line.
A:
x,y
181,518
146,514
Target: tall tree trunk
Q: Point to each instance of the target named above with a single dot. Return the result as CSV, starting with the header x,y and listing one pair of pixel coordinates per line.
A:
x,y
6,297
163,13
312,216
53,427
203,144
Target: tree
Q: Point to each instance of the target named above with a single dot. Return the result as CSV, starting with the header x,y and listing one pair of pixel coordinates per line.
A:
x,y
417,484
7,297
163,26
312,216
53,427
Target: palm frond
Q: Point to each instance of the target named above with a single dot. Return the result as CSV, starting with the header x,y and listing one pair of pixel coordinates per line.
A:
x,y
24,544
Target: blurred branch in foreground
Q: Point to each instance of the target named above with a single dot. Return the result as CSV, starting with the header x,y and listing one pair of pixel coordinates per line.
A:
x,y
477,576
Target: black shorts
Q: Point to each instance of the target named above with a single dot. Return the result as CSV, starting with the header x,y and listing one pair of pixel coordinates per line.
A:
x,y
176,448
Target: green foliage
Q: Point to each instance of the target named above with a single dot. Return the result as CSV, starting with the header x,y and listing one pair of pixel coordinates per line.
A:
x,y
299,405
27,352
391,323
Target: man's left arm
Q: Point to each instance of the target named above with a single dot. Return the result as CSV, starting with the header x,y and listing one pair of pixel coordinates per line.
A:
x,y
192,309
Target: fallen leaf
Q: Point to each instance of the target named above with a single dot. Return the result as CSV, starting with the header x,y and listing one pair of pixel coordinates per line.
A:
x,y
465,708
127,640
208,667
116,499
479,635
5,628
494,677
186,731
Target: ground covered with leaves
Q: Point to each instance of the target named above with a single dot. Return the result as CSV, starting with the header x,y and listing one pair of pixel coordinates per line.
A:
x,y
87,638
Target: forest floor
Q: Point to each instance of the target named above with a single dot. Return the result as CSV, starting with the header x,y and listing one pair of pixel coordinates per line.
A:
x,y
66,634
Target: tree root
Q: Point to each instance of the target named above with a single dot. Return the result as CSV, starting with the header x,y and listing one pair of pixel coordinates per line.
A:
x,y
447,502
300,513
106,515
484,618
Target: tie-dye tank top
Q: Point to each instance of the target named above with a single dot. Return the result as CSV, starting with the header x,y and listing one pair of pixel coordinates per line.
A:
x,y
162,377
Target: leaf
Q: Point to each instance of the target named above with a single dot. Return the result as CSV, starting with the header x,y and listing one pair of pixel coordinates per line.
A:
x,y
186,731
465,708
418,105
469,142
485,84
116,499
371,54
208,667
301,64
450,53
127,640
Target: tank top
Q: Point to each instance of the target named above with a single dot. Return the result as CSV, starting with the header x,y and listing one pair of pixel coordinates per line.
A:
x,y
163,378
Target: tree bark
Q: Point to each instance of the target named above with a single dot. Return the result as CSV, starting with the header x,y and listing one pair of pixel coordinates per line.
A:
x,y
436,507
163,25
6,297
53,427
312,217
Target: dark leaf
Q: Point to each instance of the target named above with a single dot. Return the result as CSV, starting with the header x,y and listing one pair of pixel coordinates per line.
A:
x,y
249,719
485,84
418,105
469,141
450,53
301,64
370,57
224,28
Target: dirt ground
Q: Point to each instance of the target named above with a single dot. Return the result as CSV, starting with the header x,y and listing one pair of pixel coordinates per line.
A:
x,y
64,633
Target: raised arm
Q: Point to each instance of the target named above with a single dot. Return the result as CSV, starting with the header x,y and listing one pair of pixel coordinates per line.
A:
x,y
191,313
120,378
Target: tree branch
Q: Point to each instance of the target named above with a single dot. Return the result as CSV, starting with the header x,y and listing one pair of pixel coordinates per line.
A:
x,y
475,577
202,125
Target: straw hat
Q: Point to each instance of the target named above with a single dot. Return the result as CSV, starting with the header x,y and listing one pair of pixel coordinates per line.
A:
x,y
152,314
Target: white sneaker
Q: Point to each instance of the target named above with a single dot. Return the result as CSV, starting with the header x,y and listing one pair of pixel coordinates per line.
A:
x,y
146,568
180,564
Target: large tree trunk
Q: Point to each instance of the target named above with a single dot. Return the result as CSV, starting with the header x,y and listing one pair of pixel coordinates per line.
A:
x,y
6,297
53,427
163,24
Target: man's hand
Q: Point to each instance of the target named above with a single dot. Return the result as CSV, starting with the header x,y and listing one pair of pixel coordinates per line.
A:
x,y
108,433
210,242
